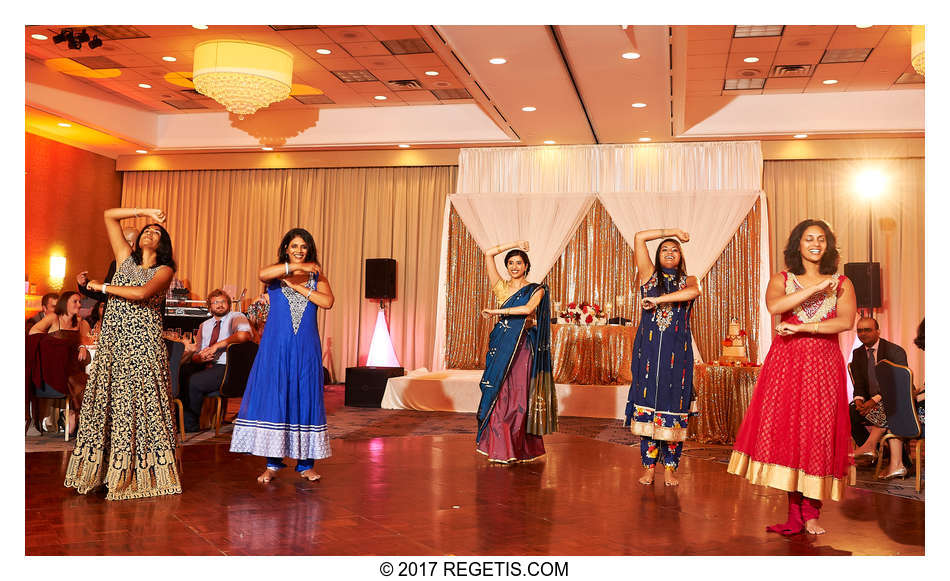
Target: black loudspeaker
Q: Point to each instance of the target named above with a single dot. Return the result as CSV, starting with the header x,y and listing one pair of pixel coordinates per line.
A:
x,y
867,288
380,278
365,385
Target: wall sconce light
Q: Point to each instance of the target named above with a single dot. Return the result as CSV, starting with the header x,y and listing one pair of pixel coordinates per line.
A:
x,y
57,266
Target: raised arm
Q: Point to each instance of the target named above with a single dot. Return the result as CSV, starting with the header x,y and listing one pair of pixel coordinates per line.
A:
x,y
642,255
158,284
491,253
120,248
284,269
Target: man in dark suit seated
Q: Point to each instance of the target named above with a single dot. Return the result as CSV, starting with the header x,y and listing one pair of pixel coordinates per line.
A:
x,y
867,411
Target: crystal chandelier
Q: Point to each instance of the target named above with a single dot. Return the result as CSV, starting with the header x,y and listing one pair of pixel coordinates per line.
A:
x,y
917,49
243,76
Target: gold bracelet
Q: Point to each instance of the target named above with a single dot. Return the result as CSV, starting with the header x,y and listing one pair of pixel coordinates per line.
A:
x,y
816,327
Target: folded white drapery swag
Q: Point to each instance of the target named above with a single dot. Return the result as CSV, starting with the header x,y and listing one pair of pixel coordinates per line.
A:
x,y
541,194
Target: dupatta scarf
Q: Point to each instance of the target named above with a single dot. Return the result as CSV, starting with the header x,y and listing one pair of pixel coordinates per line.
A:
x,y
502,344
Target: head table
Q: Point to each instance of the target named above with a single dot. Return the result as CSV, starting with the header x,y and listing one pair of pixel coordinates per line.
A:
x,y
592,355
722,396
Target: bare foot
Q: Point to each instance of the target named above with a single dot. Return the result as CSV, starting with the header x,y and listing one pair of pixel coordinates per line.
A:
x,y
267,476
669,479
310,475
813,528
647,477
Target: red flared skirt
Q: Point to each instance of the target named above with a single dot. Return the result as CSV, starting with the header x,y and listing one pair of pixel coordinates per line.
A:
x,y
795,436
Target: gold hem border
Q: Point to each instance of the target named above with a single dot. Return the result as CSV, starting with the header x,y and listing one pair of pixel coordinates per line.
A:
x,y
648,430
786,478
510,460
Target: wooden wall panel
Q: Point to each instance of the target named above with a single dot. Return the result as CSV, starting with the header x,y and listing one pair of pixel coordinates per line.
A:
x,y
67,190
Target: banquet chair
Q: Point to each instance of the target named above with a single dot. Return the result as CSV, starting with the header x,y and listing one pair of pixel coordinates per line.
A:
x,y
900,406
237,370
176,350
47,392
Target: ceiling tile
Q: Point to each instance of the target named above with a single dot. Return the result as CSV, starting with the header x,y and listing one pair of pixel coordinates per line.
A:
x,y
342,34
709,32
854,37
373,48
797,57
306,36
756,44
718,46
380,62
708,74
425,59
393,32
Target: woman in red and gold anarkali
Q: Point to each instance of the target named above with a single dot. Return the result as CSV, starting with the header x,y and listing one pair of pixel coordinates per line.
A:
x,y
795,435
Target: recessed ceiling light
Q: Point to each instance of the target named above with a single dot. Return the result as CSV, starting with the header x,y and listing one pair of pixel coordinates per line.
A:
x,y
751,59
140,151
380,97
324,51
200,26
863,25
645,139
39,36
529,108
61,124
432,73
639,105
403,145
630,55
830,82
145,85
497,61
800,135
265,148
549,142
170,59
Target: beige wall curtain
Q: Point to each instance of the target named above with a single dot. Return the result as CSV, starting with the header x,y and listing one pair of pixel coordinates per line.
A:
x,y
226,224
824,189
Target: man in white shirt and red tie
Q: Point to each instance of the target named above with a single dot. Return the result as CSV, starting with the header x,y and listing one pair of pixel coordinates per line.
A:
x,y
206,370
867,411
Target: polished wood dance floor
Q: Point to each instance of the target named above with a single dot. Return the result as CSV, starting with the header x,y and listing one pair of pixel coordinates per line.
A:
x,y
433,495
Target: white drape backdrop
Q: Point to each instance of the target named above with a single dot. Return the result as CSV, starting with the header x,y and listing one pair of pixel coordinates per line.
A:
x,y
706,189
546,221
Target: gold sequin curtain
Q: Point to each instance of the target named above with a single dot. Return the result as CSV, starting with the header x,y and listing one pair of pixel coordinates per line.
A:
x,y
598,266
731,289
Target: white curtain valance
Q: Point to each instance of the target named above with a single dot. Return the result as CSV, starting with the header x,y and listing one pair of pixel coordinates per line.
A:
x,y
710,218
546,221
646,167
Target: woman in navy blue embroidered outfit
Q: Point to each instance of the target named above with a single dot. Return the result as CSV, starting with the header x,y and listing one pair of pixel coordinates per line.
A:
x,y
282,413
518,403
662,364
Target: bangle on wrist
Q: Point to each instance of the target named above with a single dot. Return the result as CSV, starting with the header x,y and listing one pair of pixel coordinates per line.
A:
x,y
309,293
104,286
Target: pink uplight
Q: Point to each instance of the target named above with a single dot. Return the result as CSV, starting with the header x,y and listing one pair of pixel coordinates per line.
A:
x,y
381,353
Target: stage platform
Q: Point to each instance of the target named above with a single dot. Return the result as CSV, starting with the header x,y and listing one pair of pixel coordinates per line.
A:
x,y
456,390
434,495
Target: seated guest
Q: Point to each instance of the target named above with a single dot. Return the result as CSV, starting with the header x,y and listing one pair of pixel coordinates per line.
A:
x,y
47,306
65,323
867,411
206,370
95,318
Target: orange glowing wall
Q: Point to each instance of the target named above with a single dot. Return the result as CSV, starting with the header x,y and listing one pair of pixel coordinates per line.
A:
x,y
67,190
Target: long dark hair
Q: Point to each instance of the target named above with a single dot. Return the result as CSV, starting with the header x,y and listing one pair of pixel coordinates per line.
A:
x,y
93,317
680,268
793,252
308,240
163,252
524,257
62,303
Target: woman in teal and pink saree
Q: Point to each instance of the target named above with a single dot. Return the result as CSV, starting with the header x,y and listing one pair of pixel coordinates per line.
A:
x,y
518,404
